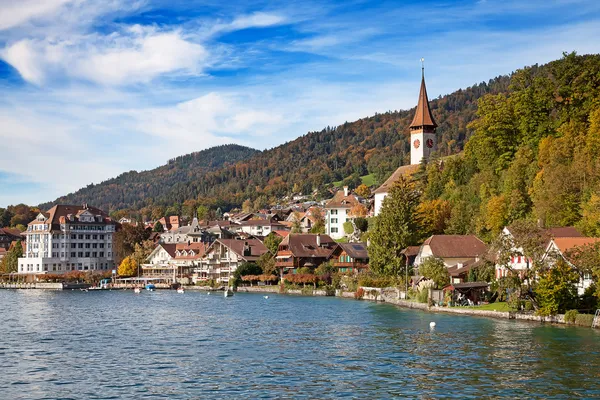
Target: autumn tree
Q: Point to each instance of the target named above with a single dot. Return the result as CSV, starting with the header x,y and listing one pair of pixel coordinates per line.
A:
x,y
556,289
433,216
296,222
247,206
126,239
396,227
128,267
318,221
363,191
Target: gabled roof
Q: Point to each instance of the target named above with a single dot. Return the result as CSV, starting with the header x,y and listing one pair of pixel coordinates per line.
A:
x,y
341,201
10,232
60,210
565,231
565,244
411,251
355,250
423,117
405,170
305,245
454,246
257,248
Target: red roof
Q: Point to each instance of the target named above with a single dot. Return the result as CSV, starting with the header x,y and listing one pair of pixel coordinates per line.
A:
x,y
568,243
305,245
453,246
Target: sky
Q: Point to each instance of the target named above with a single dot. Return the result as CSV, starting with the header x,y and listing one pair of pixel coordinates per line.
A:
x,y
90,89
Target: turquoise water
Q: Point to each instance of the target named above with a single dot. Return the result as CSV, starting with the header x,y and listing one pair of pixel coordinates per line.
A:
x,y
166,345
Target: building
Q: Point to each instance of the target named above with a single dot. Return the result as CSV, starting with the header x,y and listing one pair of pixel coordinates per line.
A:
x,y
521,262
258,227
351,257
224,256
300,250
559,247
192,233
422,144
338,211
69,238
458,251
174,261
7,236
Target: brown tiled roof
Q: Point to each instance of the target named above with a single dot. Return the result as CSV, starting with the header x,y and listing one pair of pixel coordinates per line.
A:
x,y
566,231
411,251
198,248
450,246
341,201
567,243
10,232
55,213
170,248
355,250
261,222
405,170
257,248
281,233
305,245
423,117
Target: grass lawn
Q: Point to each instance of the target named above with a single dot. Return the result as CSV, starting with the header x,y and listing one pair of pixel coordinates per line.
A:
x,y
500,307
368,180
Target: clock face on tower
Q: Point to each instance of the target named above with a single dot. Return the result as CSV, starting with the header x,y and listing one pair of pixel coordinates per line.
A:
x,y
417,143
429,143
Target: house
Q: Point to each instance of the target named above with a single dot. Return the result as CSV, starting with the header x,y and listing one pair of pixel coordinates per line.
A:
x,y
520,262
192,233
173,261
307,218
560,246
454,250
170,223
351,257
300,250
338,211
258,227
224,256
423,144
7,236
69,238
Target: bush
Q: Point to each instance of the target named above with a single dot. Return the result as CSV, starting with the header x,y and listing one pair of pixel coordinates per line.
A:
x,y
584,320
571,316
528,305
423,296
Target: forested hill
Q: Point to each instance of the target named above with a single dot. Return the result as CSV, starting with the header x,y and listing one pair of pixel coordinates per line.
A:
x,y
375,145
136,189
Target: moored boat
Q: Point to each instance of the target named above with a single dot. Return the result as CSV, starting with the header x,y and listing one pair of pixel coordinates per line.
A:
x,y
150,287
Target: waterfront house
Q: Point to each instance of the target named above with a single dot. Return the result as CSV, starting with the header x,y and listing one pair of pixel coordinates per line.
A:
x,y
559,247
299,250
174,261
224,256
460,251
7,236
351,257
519,261
69,238
338,210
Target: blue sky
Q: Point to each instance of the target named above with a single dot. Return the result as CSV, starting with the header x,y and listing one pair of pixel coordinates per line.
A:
x,y
92,88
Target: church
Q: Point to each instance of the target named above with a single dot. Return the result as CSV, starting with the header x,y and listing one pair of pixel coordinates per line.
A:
x,y
422,144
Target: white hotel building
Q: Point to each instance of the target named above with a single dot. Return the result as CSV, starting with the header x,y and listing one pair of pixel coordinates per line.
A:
x,y
69,238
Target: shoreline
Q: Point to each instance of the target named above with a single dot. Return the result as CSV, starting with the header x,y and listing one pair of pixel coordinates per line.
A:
x,y
378,295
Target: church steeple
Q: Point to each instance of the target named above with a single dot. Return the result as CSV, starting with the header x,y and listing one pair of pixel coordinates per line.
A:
x,y
423,118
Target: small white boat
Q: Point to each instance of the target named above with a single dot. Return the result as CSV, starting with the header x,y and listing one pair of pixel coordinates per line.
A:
x,y
137,290
180,290
266,297
228,292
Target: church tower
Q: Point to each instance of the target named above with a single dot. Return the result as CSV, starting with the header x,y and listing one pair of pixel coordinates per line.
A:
x,y
422,128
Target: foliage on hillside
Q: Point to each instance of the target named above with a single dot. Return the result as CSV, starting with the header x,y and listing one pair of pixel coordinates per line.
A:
x,y
533,154
375,145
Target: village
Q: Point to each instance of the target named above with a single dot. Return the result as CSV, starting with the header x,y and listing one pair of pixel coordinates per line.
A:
x,y
298,244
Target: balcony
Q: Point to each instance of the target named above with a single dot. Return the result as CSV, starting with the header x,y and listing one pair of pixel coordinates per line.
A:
x,y
284,264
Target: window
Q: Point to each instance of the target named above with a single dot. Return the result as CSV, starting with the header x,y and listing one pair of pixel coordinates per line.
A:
x,y
80,237
94,254
334,212
73,245
334,230
101,237
87,246
334,220
101,245
87,237
87,253
80,254
95,246
95,237
80,245
73,237
72,254
101,254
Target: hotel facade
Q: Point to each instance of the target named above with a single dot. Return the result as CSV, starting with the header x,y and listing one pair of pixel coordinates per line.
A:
x,y
69,238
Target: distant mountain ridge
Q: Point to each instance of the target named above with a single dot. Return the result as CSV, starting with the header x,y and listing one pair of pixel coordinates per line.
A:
x,y
225,176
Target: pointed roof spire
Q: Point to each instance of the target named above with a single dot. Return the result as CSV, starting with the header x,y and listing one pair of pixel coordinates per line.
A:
x,y
423,117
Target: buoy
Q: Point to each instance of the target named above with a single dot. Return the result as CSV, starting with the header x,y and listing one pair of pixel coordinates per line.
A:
x,y
432,325
208,293
266,297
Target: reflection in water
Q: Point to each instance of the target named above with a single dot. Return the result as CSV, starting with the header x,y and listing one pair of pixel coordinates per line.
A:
x,y
160,344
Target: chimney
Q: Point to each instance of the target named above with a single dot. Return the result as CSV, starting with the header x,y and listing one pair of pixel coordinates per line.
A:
x,y
318,240
345,191
247,249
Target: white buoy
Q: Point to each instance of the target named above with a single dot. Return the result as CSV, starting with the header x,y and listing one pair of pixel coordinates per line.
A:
x,y
266,297
208,293
432,325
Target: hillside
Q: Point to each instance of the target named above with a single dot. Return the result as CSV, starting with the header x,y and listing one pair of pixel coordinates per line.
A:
x,y
137,189
376,145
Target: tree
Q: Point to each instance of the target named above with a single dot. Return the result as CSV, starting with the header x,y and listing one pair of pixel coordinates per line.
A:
x,y
317,220
261,202
296,222
363,191
358,210
434,269
266,262
245,268
126,239
556,289
10,262
396,227
128,267
158,227
202,212
219,214
247,206
586,260
434,216
142,251
362,224
272,242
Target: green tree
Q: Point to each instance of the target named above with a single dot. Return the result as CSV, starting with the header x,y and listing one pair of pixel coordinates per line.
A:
x,y
141,251
396,227
158,227
272,242
245,268
128,267
434,269
296,222
348,228
266,262
247,206
318,221
202,212
126,239
556,289
10,262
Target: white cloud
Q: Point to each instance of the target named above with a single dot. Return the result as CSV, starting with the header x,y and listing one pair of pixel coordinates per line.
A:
x,y
16,12
256,20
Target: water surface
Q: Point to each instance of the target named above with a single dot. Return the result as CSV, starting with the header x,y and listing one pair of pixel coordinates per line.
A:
x,y
101,345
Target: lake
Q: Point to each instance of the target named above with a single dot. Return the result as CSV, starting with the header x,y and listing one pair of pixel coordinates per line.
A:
x,y
108,345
